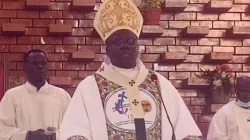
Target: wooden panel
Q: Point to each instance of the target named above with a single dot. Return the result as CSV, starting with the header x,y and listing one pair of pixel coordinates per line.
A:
x,y
152,30
1,82
173,57
175,5
219,57
13,29
60,29
195,82
219,5
83,5
37,4
87,55
4,76
238,31
195,31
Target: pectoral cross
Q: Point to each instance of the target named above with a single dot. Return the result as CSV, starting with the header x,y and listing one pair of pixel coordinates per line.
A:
x,y
135,102
101,69
132,83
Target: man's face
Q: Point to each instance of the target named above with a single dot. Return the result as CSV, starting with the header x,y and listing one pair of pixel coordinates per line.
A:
x,y
243,89
36,67
244,96
122,48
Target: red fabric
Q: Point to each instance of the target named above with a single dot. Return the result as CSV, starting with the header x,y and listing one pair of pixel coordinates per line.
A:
x,y
1,83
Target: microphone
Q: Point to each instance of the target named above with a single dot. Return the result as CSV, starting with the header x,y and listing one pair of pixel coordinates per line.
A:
x,y
50,130
155,80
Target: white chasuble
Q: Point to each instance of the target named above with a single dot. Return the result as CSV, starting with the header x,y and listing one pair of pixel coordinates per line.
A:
x,y
118,113
105,105
231,122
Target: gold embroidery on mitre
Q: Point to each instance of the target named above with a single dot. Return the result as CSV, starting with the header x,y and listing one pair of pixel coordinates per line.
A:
x,y
114,15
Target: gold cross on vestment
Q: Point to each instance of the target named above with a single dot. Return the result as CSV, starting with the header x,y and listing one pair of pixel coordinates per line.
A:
x,y
101,69
132,82
135,102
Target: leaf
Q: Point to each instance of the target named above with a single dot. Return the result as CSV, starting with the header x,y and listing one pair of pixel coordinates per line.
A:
x,y
151,3
220,73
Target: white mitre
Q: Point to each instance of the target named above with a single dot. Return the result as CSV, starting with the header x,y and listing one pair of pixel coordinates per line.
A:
x,y
115,15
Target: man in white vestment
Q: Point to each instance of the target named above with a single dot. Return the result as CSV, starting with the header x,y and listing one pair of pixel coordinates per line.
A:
x,y
34,110
123,93
232,121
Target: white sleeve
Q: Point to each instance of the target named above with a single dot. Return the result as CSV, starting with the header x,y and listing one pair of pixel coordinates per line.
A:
x,y
75,124
218,127
8,128
57,134
66,101
185,126
181,118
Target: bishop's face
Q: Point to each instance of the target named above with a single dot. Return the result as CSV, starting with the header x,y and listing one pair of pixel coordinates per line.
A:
x,y
123,49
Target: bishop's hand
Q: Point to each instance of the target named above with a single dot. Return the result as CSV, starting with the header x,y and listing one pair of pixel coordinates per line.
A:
x,y
51,137
39,135
36,135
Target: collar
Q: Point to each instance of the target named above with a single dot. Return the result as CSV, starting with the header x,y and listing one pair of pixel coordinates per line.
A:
x,y
125,70
136,68
34,89
113,75
131,73
235,102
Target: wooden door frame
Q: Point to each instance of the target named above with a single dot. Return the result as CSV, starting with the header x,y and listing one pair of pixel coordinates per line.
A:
x,y
6,73
4,63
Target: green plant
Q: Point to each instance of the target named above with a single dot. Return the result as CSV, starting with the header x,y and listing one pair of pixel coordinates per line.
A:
x,y
150,4
220,77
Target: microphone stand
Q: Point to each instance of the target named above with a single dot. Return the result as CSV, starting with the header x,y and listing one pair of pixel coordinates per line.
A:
x,y
155,80
140,129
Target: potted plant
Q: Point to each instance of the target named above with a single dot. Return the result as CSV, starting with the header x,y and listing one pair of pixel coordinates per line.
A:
x,y
152,11
222,83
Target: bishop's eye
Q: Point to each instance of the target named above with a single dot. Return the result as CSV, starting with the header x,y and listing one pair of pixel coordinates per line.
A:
x,y
118,43
131,42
